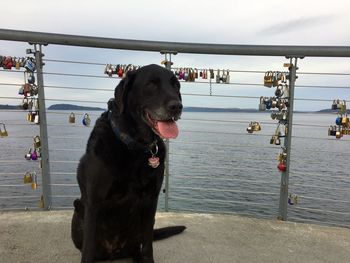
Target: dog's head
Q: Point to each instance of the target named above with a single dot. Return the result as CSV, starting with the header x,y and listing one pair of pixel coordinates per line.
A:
x,y
149,98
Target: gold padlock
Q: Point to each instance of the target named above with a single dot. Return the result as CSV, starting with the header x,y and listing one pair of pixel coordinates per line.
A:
x,y
27,179
34,181
72,118
3,131
37,142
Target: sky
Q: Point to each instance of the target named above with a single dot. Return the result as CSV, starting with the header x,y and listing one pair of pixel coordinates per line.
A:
x,y
269,22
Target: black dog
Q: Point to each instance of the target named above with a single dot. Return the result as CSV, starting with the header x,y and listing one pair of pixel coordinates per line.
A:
x,y
121,173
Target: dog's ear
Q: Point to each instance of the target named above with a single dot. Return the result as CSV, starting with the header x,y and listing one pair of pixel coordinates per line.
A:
x,y
122,89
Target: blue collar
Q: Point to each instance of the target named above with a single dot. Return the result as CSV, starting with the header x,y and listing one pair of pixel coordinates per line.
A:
x,y
127,139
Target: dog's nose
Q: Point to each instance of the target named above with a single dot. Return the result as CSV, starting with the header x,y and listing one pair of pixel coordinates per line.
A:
x,y
174,106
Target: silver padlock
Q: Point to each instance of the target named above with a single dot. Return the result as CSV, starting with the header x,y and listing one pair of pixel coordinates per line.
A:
x,y
262,105
227,77
218,76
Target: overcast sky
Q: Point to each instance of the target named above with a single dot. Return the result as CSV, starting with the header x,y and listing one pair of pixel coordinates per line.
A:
x,y
299,22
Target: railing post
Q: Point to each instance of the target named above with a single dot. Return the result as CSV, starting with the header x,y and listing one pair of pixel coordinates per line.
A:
x,y
283,202
45,163
167,63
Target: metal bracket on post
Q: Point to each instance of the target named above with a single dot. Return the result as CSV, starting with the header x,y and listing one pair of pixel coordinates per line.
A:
x,y
167,63
283,202
45,164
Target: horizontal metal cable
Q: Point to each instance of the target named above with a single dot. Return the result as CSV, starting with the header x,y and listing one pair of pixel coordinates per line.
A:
x,y
324,199
65,196
67,150
61,207
13,185
233,168
221,179
318,187
18,161
221,190
218,201
24,208
66,185
91,113
318,174
321,210
64,161
76,100
75,62
63,173
76,88
223,145
18,197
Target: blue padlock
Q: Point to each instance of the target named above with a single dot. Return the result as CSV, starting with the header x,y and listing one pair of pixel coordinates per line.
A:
x,y
338,120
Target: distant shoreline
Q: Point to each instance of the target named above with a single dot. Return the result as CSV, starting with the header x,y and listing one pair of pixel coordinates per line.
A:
x,y
71,107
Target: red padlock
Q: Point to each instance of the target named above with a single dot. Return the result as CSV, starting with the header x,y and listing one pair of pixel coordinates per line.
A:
x,y
120,72
7,63
282,167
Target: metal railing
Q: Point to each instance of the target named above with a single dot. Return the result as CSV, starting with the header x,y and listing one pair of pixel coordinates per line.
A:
x,y
238,192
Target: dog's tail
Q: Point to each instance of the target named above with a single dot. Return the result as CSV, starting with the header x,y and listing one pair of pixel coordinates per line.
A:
x,y
166,232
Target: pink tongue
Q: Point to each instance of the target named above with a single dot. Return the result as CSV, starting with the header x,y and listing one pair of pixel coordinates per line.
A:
x,y
167,129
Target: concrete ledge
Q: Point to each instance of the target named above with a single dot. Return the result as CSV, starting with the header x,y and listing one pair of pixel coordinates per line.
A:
x,y
45,237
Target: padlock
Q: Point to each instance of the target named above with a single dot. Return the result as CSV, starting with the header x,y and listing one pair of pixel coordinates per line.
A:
x,y
262,105
334,105
31,78
33,90
256,126
120,71
212,75
24,104
223,77
30,64
273,139
218,76
250,129
181,74
273,115
7,63
275,78
227,77
268,79
21,90
34,181
277,140
338,120
18,63
36,118
282,167
196,73
338,134
343,107
279,91
71,118
86,119
26,89
274,103
3,131
109,70
345,120
186,74
37,142
28,155
27,178
34,155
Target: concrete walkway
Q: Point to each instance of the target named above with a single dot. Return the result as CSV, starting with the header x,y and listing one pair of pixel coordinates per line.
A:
x,y
45,237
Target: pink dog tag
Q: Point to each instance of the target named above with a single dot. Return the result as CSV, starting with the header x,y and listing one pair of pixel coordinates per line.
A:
x,y
153,162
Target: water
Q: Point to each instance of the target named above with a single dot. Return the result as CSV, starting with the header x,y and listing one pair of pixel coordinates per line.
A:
x,y
215,165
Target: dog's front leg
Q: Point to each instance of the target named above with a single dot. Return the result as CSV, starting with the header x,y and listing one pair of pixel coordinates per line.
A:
x,y
89,238
147,240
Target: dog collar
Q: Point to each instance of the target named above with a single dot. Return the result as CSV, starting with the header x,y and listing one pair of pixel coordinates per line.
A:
x,y
130,142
